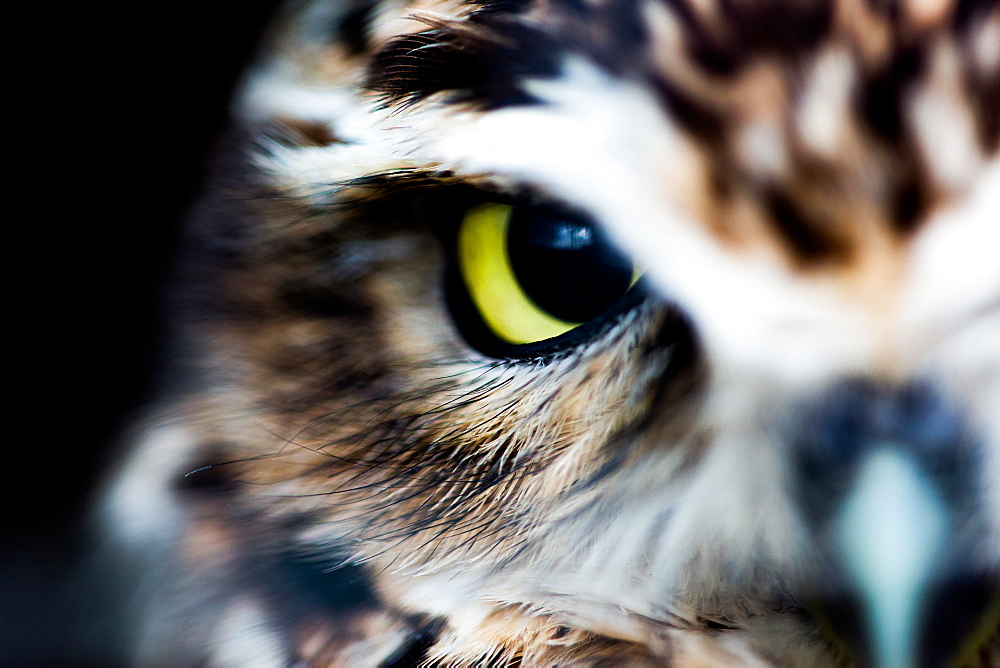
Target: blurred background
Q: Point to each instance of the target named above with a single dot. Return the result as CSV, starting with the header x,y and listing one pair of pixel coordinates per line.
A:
x,y
112,112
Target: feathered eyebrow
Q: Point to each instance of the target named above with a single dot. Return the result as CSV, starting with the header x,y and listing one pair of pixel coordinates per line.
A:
x,y
396,190
397,183
396,180
482,61
406,181
440,193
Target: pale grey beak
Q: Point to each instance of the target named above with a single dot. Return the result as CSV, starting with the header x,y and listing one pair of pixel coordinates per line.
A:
x,y
891,537
889,485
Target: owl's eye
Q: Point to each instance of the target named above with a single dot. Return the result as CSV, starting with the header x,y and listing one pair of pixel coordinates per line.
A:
x,y
533,274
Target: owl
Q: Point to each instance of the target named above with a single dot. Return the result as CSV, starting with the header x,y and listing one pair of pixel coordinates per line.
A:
x,y
585,332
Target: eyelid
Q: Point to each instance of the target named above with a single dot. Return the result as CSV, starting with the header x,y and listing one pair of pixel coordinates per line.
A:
x,y
493,287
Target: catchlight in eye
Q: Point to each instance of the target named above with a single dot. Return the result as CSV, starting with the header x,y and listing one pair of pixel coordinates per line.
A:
x,y
533,274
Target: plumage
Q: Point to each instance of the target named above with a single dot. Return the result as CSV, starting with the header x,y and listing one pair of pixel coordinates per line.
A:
x,y
357,465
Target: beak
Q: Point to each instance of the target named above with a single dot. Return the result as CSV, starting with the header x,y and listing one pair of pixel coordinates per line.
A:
x,y
889,537
895,515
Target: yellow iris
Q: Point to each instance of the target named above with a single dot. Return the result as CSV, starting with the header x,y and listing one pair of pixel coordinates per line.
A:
x,y
489,277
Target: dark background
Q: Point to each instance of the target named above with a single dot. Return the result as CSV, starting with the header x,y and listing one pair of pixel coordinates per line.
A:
x,y
113,113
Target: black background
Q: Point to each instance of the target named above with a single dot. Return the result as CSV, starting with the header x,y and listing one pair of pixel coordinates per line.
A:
x,y
111,112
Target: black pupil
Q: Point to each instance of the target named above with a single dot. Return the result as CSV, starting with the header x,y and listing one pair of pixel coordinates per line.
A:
x,y
566,265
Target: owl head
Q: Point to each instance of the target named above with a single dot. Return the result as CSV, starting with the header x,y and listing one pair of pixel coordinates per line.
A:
x,y
580,331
